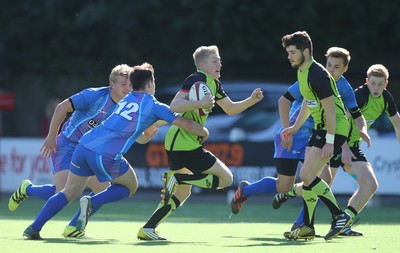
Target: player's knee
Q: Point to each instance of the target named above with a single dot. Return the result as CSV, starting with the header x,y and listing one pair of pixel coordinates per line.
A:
x,y
225,181
373,185
132,189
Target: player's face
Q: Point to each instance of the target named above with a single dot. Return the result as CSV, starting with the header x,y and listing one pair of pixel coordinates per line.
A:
x,y
376,85
295,56
120,88
152,87
335,67
212,66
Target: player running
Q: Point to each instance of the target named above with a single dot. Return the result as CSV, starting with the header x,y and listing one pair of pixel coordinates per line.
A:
x,y
100,151
90,107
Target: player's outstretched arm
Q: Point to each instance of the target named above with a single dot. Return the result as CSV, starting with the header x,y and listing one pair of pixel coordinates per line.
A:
x,y
231,108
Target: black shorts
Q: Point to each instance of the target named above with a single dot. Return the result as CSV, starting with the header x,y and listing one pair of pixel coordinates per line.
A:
x,y
318,140
197,161
336,162
287,167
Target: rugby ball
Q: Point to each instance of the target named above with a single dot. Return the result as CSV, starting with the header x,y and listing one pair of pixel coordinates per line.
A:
x,y
197,92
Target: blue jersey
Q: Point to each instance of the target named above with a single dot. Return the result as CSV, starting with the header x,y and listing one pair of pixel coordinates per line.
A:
x,y
91,107
134,114
346,93
300,139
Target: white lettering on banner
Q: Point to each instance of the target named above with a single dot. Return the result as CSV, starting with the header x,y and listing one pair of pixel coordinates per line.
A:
x,y
382,165
20,158
384,157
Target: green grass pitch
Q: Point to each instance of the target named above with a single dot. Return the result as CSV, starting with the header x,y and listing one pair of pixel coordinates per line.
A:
x,y
198,226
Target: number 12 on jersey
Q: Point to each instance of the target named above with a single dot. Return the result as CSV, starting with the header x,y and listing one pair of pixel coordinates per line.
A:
x,y
125,108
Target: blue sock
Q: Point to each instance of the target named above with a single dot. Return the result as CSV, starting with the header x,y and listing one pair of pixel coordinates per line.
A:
x,y
42,191
262,186
113,193
51,208
300,218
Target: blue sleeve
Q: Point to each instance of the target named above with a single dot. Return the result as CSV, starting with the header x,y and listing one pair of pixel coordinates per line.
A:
x,y
294,90
164,113
84,98
347,93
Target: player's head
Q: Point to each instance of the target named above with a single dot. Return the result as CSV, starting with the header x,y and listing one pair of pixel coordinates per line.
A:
x,y
207,59
119,82
142,78
299,47
377,79
337,61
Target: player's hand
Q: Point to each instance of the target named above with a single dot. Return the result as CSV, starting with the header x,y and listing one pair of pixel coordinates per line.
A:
x,y
365,136
48,147
287,143
347,156
257,95
327,151
287,132
208,102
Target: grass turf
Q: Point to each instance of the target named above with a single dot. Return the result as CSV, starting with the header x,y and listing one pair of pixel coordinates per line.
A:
x,y
196,227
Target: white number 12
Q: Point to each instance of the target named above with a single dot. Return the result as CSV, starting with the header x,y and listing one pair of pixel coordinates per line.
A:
x,y
128,108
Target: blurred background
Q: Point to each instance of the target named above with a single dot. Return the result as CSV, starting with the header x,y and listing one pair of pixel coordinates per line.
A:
x,y
50,50
53,49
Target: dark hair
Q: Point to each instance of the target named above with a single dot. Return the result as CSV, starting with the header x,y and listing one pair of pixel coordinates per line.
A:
x,y
339,52
300,39
141,75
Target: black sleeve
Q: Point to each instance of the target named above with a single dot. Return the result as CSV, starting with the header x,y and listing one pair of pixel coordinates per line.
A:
x,y
320,82
391,106
289,96
362,94
220,91
355,112
72,103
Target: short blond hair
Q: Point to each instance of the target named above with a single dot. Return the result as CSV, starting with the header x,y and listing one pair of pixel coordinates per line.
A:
x,y
118,71
378,70
203,52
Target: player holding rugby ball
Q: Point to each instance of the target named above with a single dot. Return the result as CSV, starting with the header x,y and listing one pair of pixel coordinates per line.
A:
x,y
191,164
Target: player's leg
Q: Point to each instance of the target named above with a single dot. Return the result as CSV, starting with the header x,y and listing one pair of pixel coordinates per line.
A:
x,y
71,230
164,210
325,175
187,168
367,185
123,184
363,173
61,161
73,189
96,186
285,186
314,187
208,171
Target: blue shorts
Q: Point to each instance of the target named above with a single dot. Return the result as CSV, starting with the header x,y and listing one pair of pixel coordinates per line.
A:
x,y
62,157
297,151
86,163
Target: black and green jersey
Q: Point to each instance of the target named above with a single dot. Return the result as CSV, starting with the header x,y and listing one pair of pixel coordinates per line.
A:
x,y
371,108
178,139
316,84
